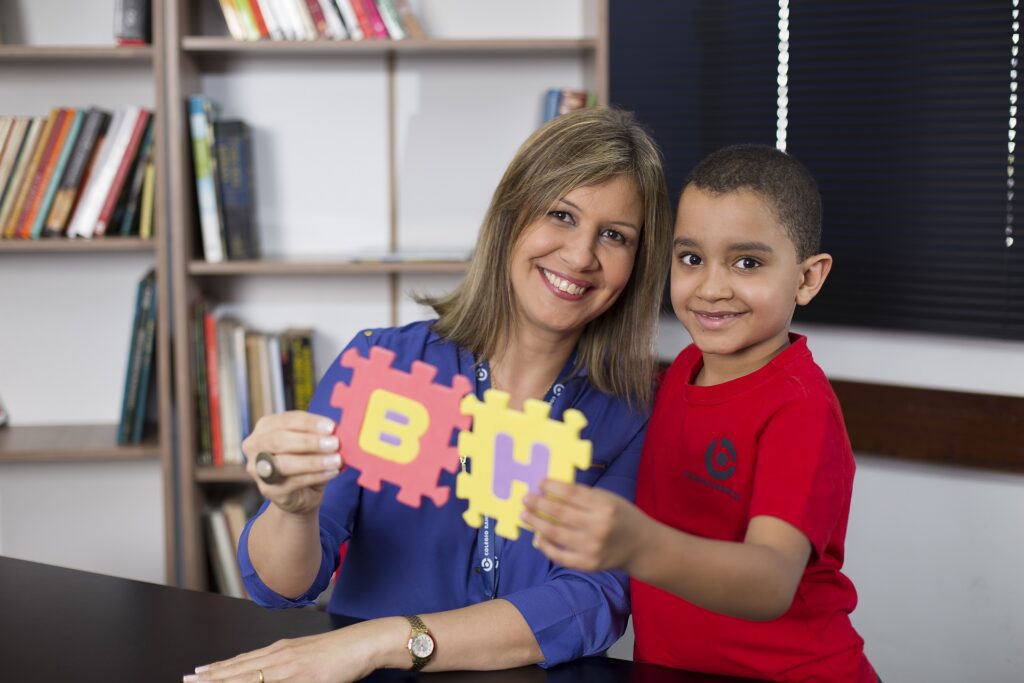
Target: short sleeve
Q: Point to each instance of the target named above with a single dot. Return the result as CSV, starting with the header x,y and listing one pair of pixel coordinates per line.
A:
x,y
804,470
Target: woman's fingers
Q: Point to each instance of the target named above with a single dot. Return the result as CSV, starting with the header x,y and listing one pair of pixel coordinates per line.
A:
x,y
291,464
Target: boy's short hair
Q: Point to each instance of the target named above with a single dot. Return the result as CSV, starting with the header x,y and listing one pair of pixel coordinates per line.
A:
x,y
785,183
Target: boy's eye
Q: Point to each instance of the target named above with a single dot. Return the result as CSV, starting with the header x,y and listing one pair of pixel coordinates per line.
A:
x,y
690,259
747,263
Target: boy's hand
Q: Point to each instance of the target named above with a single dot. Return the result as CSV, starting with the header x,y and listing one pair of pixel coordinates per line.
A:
x,y
585,528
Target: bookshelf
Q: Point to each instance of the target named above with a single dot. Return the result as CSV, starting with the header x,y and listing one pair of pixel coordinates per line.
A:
x,y
67,315
372,145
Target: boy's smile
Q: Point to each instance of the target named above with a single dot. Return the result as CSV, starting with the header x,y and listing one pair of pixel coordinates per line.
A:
x,y
736,280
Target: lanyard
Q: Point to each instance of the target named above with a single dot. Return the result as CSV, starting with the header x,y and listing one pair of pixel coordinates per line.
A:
x,y
488,544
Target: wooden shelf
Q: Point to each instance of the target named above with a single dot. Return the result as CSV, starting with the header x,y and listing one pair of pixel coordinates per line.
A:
x,y
229,474
61,244
220,44
56,443
269,266
98,53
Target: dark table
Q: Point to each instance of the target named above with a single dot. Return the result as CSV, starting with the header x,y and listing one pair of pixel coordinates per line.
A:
x,y
61,624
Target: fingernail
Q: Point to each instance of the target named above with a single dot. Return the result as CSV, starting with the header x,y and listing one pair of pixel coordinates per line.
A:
x,y
325,426
332,462
190,679
329,443
201,669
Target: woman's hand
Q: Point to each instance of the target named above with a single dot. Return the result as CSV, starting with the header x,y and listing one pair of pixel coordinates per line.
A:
x,y
585,528
348,654
306,454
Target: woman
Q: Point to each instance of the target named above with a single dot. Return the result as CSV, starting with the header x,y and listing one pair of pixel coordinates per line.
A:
x,y
569,268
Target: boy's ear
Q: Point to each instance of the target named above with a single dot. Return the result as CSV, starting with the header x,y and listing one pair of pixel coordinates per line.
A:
x,y
813,272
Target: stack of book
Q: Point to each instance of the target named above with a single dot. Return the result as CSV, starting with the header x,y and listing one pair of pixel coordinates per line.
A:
x,y
558,101
241,375
225,190
138,382
320,20
77,173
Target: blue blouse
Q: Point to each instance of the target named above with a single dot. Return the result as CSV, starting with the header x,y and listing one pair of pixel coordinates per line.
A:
x,y
403,560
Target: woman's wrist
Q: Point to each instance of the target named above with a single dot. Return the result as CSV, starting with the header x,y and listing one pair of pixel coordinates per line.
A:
x,y
387,638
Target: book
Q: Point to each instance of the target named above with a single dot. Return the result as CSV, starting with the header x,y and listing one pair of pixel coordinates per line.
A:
x,y
233,19
376,23
389,15
256,10
277,386
53,183
267,10
316,13
363,18
131,403
132,22
25,184
146,209
335,26
411,24
292,24
121,161
348,15
305,20
552,98
15,183
44,169
204,450
105,167
11,149
130,216
241,377
213,379
64,201
258,375
206,190
303,377
222,554
235,175
232,397
146,364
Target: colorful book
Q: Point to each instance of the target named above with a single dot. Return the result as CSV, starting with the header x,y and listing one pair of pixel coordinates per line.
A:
x,y
213,379
305,20
365,25
15,183
335,26
206,184
348,15
267,10
389,15
122,164
146,211
40,177
11,151
130,216
379,29
233,19
94,192
93,131
25,186
58,172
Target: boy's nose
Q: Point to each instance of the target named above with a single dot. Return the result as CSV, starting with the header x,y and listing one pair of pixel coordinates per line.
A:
x,y
715,285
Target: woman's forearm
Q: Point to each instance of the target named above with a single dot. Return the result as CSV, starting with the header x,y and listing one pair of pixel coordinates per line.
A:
x,y
284,548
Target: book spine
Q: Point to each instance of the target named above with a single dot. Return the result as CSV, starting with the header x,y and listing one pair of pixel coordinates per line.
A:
x,y
213,387
302,370
132,22
348,15
279,405
41,178
12,147
316,13
241,373
305,19
145,155
204,453
252,31
18,174
365,25
146,212
267,10
379,29
335,26
129,400
58,171
261,21
389,15
14,220
145,364
121,163
234,157
551,100
93,129
232,19
94,187
412,26
206,192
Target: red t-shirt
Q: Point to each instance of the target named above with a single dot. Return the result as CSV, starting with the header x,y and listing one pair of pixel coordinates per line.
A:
x,y
770,443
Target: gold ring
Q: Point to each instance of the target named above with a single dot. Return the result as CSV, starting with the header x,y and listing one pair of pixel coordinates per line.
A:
x,y
266,468
260,672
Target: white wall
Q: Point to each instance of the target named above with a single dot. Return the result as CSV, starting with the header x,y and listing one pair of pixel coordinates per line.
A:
x,y
935,552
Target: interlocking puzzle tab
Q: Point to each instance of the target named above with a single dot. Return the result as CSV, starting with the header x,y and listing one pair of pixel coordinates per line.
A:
x,y
511,452
396,426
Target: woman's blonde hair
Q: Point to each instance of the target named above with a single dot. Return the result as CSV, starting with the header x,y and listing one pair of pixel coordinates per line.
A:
x,y
583,148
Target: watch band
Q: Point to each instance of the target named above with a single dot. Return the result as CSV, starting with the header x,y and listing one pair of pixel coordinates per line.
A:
x,y
418,629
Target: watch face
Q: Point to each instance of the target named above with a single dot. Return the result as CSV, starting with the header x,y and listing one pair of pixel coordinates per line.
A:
x,y
422,645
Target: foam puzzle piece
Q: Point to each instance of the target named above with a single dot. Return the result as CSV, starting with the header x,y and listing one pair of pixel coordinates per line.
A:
x,y
511,452
396,426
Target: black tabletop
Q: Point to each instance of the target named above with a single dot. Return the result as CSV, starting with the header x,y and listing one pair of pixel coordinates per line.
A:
x,y
61,624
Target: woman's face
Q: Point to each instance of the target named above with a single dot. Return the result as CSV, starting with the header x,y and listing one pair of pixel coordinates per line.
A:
x,y
569,266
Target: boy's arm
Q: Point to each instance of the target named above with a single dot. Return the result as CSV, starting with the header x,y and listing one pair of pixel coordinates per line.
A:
x,y
755,579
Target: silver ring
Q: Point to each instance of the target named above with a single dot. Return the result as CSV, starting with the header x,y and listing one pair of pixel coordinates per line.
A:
x,y
266,468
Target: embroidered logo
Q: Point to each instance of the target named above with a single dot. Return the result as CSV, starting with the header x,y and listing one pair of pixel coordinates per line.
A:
x,y
720,459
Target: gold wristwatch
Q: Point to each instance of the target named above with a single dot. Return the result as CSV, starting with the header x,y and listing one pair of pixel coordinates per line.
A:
x,y
421,643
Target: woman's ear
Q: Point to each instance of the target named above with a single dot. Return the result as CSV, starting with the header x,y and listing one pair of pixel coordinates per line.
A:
x,y
813,272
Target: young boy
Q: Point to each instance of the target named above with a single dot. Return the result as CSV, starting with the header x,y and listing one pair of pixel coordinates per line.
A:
x,y
736,543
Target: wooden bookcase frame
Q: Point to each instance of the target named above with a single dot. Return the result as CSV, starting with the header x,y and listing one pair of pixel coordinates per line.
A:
x,y
184,57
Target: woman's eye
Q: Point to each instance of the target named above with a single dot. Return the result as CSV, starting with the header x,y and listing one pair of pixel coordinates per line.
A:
x,y
690,259
563,216
747,263
615,235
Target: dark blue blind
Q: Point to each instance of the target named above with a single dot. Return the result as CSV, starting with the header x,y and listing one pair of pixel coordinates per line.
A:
x,y
901,110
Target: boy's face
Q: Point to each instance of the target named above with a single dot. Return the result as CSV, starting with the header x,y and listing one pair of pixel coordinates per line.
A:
x,y
736,279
